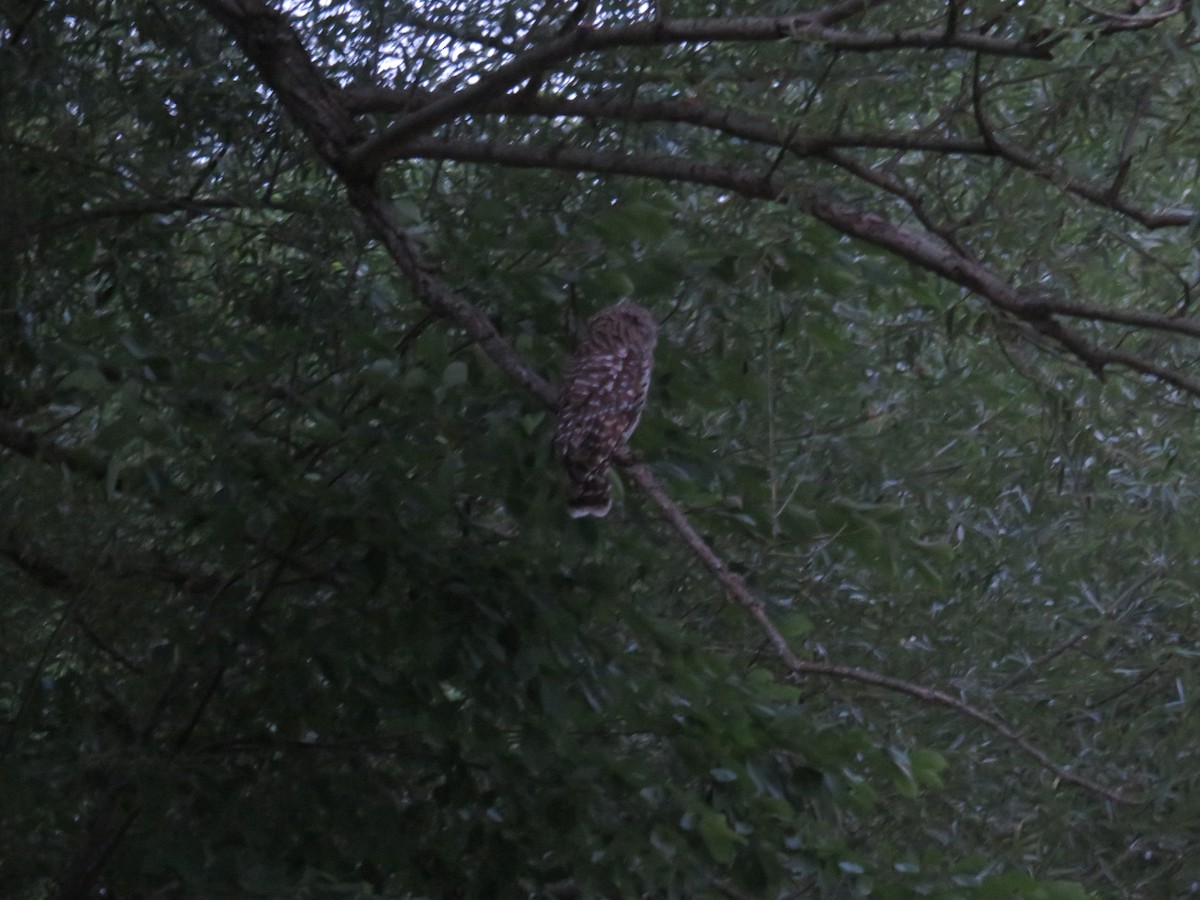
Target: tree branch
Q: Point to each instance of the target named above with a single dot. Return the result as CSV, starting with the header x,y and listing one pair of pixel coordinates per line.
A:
x,y
446,105
940,698
736,588
269,42
927,251
383,224
150,206
728,121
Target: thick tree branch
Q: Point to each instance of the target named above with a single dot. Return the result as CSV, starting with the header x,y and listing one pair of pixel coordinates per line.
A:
x,y
266,36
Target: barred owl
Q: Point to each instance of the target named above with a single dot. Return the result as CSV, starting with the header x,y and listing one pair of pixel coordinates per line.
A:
x,y
601,402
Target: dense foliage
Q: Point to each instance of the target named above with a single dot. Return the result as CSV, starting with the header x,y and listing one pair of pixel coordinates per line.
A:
x,y
290,604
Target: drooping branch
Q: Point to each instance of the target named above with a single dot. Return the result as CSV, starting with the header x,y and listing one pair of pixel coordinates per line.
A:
x,y
925,250
444,105
941,698
759,129
736,588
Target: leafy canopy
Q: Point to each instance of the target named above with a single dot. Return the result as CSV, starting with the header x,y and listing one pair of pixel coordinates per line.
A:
x,y
290,601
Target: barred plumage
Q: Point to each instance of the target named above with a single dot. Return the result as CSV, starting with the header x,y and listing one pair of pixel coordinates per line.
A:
x,y
604,390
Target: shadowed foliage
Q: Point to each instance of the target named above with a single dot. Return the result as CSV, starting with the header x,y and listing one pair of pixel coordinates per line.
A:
x,y
897,595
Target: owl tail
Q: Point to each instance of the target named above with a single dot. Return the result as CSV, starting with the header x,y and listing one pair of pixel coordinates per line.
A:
x,y
588,494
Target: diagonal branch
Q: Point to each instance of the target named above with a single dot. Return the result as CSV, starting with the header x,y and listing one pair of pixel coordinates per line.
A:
x,y
941,698
382,222
736,587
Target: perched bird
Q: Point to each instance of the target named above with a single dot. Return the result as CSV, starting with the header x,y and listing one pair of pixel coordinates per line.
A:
x,y
603,393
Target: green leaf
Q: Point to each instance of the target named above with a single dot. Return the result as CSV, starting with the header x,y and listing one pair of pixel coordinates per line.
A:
x,y
719,839
794,626
455,374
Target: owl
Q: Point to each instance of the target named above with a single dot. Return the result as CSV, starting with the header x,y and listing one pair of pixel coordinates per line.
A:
x,y
601,402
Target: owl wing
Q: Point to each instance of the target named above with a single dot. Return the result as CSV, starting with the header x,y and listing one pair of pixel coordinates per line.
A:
x,y
601,402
